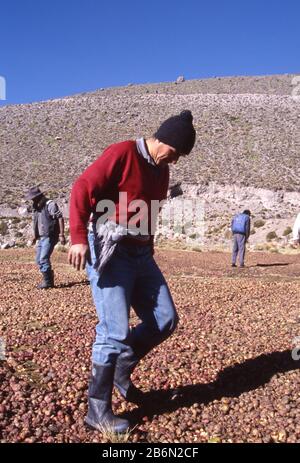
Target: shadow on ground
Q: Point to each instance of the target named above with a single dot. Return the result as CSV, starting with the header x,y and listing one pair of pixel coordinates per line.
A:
x,y
231,382
272,265
70,285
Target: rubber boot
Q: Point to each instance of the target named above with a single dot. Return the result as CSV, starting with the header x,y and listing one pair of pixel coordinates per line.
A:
x,y
48,280
100,415
52,279
126,363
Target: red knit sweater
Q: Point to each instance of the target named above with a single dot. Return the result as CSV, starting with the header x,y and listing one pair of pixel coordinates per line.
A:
x,y
119,169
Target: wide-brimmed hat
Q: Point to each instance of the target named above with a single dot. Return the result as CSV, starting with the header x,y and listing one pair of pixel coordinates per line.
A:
x,y
33,192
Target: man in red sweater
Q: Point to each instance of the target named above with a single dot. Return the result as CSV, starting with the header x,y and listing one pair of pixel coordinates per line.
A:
x,y
116,196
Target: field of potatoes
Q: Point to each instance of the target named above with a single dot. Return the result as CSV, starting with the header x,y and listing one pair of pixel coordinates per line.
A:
x,y
228,374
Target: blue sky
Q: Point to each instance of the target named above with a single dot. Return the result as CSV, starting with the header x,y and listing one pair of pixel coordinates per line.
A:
x,y
55,48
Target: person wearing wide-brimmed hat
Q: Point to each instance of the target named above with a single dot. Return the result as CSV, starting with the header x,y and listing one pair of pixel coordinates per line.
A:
x,y
48,229
119,258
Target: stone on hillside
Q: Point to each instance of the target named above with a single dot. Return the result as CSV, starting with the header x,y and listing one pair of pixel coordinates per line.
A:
x,y
23,211
180,79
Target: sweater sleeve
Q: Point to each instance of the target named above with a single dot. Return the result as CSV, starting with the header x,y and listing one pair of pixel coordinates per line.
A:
x,y
89,188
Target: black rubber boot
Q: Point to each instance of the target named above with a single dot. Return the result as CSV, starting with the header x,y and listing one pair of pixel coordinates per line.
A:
x,y
52,279
126,363
100,415
48,280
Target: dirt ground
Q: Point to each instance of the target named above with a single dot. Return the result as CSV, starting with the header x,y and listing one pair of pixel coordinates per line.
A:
x,y
228,374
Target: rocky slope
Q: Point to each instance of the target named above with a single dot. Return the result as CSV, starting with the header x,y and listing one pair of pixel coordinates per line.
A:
x,y
247,136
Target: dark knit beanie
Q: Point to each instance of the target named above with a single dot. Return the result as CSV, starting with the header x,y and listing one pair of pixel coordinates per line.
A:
x,y
178,132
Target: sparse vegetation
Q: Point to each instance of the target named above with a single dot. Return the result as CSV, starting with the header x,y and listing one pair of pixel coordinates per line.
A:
x,y
274,250
16,220
271,236
287,231
228,235
259,223
109,436
61,248
196,249
3,228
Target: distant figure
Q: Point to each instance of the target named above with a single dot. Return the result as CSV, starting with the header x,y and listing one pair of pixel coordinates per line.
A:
x,y
240,227
48,229
296,231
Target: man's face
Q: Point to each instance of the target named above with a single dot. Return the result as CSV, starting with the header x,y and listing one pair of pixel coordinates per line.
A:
x,y
166,154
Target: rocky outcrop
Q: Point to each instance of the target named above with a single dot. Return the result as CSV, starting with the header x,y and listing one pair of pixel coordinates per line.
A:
x,y
196,215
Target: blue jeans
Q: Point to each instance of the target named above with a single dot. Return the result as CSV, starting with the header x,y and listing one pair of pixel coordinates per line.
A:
x,y
44,249
130,279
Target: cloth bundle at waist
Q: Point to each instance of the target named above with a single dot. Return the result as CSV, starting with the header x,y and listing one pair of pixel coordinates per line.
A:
x,y
107,237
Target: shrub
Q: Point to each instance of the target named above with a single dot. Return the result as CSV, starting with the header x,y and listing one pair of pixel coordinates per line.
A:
x,y
60,248
3,228
228,235
259,223
179,229
16,220
271,236
197,249
259,247
287,231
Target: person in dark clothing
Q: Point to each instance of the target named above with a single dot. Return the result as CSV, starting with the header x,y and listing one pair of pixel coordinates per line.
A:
x,y
240,227
119,262
48,229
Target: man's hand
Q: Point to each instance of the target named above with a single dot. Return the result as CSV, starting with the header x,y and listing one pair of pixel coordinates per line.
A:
x,y
78,255
32,241
62,240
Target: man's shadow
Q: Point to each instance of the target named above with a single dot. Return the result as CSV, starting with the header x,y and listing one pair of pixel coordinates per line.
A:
x,y
273,265
70,285
230,382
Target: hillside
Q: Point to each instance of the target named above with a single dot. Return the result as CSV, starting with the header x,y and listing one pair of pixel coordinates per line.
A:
x,y
246,154
247,133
